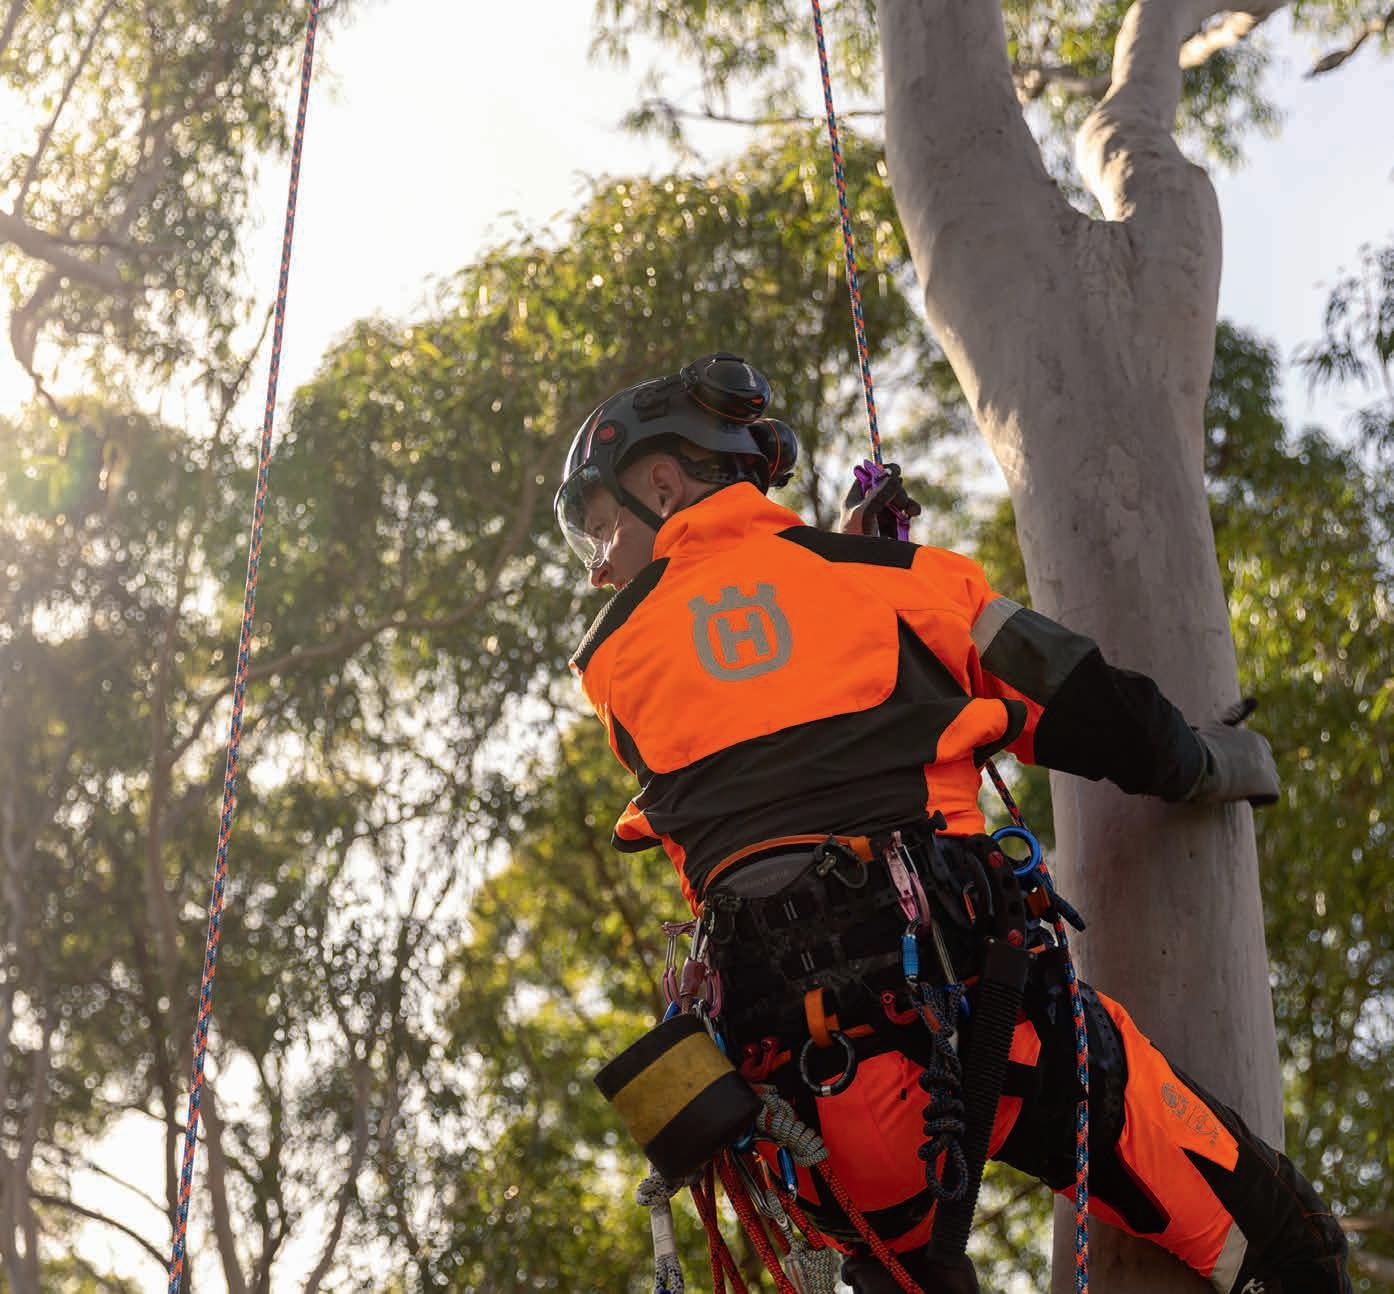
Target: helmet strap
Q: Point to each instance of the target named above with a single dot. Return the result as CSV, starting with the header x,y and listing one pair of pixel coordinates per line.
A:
x,y
641,510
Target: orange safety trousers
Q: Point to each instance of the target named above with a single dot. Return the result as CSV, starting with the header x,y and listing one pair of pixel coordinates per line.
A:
x,y
1168,1162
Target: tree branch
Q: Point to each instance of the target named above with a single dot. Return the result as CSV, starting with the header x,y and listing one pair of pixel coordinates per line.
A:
x,y
217,1189
362,1092
44,247
671,111
1131,163
298,658
91,1166
32,169
1229,29
1033,80
24,333
981,212
1226,31
71,1206
1330,62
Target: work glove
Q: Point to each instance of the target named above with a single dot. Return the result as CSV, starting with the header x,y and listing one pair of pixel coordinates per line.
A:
x,y
879,510
1238,763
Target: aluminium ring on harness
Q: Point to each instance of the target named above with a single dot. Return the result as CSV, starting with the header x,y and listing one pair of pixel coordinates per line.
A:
x,y
843,1080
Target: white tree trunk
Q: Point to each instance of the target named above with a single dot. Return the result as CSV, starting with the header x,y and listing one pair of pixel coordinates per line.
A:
x,y
1084,348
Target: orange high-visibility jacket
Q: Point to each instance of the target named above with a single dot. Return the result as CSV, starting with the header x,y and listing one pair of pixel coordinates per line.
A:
x,y
761,678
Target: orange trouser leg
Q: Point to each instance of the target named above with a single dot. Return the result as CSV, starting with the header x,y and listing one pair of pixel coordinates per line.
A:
x,y
1168,1161
1172,1164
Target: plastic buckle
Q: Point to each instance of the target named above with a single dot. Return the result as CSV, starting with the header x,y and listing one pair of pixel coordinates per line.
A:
x,y
831,859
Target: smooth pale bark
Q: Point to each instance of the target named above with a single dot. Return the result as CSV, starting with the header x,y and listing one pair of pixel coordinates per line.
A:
x,y
1084,348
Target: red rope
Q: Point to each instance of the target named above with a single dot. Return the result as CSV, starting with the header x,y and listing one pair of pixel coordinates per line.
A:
x,y
878,1246
750,1220
704,1195
244,655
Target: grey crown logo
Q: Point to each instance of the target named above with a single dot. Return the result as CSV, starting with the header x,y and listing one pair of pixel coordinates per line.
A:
x,y
722,629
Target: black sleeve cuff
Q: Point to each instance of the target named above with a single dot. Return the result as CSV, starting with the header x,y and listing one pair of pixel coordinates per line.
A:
x,y
1113,723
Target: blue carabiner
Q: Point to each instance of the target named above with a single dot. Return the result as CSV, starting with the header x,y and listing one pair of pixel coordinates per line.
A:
x,y
1021,833
673,1009
787,1171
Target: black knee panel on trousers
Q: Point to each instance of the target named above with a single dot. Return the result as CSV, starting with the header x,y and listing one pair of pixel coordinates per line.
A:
x,y
1295,1244
1043,1141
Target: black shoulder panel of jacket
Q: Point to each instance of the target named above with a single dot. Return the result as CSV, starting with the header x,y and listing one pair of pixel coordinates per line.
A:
x,y
870,550
617,610
1113,723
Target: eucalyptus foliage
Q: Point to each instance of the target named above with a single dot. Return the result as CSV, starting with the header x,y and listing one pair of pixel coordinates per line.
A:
x,y
122,208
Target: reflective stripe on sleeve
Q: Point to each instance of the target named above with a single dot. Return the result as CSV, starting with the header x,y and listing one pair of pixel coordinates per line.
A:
x,y
1027,650
987,626
1231,1259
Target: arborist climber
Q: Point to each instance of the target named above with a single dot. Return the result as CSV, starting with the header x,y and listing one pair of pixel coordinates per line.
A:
x,y
798,706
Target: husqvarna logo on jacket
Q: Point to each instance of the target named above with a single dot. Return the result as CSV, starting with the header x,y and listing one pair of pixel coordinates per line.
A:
x,y
739,636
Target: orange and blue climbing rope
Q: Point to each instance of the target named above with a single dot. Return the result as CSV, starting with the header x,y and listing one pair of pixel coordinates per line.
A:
x,y
1081,1032
244,653
867,478
849,248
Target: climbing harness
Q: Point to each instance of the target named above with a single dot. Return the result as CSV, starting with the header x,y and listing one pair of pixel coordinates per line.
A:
x,y
244,654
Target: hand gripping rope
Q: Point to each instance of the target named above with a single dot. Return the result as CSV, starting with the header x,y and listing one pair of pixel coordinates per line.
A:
x,y
867,476
244,654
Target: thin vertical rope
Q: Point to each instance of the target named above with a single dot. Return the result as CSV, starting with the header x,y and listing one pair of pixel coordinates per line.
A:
x,y
1081,1032
849,249
244,654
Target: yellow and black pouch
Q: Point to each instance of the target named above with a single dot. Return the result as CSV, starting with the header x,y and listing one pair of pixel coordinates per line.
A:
x,y
679,1096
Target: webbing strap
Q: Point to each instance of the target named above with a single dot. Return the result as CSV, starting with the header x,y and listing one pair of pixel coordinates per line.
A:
x,y
1005,971
244,655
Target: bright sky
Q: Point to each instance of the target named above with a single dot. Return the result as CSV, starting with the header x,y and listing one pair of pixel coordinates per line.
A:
x,y
431,121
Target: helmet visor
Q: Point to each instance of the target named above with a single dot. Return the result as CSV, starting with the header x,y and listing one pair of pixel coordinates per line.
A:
x,y
587,513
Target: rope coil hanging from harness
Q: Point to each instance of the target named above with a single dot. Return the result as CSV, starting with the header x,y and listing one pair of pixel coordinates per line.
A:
x,y
244,653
